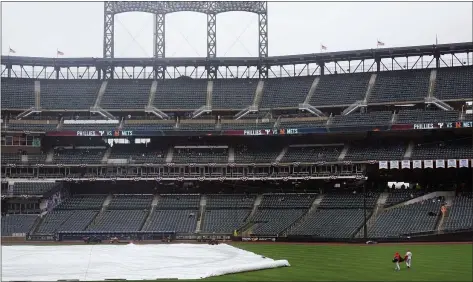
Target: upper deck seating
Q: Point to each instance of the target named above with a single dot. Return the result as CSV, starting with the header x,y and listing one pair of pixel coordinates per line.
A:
x,y
340,89
17,93
235,94
287,92
68,94
181,94
454,83
400,86
126,94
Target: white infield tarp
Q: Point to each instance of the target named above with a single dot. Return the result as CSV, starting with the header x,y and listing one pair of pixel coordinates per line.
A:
x,y
131,262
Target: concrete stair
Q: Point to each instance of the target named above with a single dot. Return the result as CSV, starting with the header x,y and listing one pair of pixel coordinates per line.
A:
x,y
376,211
313,208
100,214
203,205
154,203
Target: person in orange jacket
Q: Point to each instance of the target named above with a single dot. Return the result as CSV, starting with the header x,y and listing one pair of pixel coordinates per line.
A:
x,y
397,259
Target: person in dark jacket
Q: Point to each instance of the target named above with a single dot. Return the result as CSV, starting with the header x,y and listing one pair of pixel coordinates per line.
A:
x,y
397,259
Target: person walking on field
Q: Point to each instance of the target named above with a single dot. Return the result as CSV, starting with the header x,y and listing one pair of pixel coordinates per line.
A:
x,y
408,259
397,259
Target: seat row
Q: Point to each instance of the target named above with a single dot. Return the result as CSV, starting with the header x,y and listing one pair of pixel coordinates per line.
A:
x,y
186,93
295,214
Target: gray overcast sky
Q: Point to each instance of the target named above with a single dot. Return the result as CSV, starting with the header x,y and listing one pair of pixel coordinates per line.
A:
x,y
76,28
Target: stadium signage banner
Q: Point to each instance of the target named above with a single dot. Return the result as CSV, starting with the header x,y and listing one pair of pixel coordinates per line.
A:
x,y
122,133
434,125
91,133
259,239
258,132
406,164
40,237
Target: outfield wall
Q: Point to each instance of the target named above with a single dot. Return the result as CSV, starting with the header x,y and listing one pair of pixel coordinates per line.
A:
x,y
461,236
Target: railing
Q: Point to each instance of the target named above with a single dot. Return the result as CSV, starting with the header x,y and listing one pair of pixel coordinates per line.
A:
x,y
201,110
312,69
156,112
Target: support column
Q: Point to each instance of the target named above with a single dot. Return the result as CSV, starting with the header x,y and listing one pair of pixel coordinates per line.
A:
x,y
159,44
322,68
365,227
108,38
378,64
211,44
263,42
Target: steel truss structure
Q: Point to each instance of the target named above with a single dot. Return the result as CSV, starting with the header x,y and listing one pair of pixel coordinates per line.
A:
x,y
161,8
185,172
369,60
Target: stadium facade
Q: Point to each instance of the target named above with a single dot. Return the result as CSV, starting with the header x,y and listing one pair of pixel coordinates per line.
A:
x,y
139,149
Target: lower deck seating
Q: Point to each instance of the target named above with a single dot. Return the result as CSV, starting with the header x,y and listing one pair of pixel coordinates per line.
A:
x,y
82,202
330,223
225,201
119,220
460,215
274,221
130,202
66,220
405,220
344,200
287,201
399,196
176,201
181,221
224,221
17,223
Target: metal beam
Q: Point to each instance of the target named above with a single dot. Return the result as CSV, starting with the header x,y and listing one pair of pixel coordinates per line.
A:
x,y
108,38
211,44
166,7
263,42
444,50
159,44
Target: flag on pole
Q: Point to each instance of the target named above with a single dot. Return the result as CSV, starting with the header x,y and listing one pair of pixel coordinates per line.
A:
x,y
59,53
11,50
323,47
380,43
436,40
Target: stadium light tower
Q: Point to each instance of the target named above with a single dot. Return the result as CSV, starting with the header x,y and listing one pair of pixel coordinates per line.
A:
x,y
161,8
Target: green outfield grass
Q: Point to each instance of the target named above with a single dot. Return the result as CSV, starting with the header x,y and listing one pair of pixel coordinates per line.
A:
x,y
447,262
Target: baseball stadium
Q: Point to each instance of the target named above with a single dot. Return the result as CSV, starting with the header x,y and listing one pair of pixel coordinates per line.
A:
x,y
328,166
